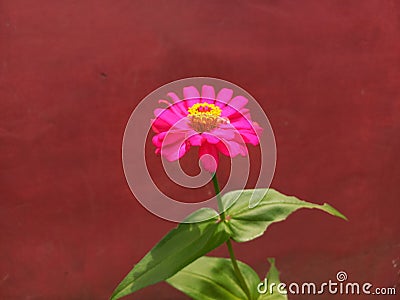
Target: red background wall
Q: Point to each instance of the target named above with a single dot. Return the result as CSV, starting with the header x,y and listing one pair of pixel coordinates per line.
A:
x,y
71,72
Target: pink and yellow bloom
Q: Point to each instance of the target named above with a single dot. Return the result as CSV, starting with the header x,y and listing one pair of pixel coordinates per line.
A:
x,y
214,123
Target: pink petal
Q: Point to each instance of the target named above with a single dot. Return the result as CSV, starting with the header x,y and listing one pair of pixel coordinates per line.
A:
x,y
210,137
208,94
159,125
233,148
238,102
230,148
209,159
178,103
171,138
250,137
182,125
191,95
179,108
222,148
174,146
257,128
167,115
234,106
196,140
224,95
241,122
225,131
158,138
174,97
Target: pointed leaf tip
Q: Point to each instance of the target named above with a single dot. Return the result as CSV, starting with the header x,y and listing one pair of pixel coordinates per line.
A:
x,y
333,211
248,223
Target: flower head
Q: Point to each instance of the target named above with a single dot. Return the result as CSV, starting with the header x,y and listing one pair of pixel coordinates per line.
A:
x,y
214,123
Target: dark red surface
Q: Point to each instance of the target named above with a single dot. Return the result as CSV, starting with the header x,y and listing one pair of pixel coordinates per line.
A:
x,y
71,72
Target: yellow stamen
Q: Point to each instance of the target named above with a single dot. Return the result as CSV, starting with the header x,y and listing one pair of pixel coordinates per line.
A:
x,y
205,116
201,109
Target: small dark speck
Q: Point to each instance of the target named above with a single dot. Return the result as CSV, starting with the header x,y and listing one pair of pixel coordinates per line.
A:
x,y
103,75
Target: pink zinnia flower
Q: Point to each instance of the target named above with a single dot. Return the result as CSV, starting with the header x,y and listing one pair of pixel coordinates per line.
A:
x,y
215,123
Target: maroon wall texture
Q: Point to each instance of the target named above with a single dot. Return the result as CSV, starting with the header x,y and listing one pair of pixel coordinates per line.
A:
x,y
71,72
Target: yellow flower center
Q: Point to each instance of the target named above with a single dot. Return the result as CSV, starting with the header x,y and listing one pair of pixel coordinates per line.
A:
x,y
201,109
205,116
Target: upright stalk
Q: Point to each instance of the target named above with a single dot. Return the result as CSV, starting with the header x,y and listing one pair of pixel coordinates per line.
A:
x,y
238,273
218,194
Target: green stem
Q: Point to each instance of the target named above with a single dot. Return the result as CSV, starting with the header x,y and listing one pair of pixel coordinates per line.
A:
x,y
218,194
229,243
237,270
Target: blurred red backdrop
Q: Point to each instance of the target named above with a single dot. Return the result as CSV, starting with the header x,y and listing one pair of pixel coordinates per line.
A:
x,y
326,72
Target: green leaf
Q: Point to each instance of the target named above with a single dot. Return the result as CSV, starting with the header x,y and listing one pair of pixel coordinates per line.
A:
x,y
272,277
180,247
247,223
210,278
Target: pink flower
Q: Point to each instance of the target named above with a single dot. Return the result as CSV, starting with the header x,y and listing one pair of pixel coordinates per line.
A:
x,y
215,123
